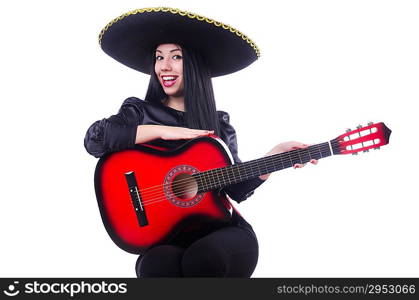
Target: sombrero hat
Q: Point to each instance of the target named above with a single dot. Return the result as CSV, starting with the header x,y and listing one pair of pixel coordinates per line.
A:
x,y
133,37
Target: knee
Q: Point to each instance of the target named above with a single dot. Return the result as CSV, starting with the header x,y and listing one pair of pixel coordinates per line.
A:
x,y
160,261
203,261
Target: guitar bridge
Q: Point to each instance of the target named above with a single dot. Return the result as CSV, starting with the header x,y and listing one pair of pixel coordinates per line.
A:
x,y
136,200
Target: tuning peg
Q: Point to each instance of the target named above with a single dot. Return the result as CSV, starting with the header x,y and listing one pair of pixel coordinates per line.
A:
x,y
348,130
366,150
359,126
355,153
370,123
378,148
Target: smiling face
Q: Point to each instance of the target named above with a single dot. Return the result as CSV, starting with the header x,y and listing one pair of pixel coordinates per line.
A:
x,y
169,69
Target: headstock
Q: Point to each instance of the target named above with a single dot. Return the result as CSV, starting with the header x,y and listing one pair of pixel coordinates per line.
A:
x,y
372,136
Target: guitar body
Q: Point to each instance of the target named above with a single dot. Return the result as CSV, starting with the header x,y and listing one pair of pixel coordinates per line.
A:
x,y
157,174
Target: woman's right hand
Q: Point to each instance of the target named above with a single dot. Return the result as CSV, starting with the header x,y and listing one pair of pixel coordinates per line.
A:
x,y
178,133
146,133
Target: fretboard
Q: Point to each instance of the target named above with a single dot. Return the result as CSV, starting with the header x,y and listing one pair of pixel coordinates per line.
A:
x,y
225,176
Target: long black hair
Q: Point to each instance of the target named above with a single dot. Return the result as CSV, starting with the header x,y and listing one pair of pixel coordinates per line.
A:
x,y
200,107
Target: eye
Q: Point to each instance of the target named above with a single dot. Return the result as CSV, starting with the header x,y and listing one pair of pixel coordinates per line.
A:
x,y
159,57
177,57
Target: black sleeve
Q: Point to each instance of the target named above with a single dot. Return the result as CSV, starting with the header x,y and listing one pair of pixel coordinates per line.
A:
x,y
117,132
239,191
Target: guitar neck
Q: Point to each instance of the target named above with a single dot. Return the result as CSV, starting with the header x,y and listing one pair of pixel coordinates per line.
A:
x,y
225,176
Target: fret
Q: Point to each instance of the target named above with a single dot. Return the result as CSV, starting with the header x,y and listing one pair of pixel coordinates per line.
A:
x,y
314,152
326,149
202,182
251,170
286,159
234,173
254,169
248,169
238,171
220,177
207,181
304,155
272,162
224,173
282,162
230,174
210,178
299,156
214,174
258,168
320,152
227,175
247,166
266,166
290,158
309,154
240,175
295,157
216,178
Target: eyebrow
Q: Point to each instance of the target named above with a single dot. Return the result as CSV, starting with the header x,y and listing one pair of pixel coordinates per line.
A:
x,y
157,50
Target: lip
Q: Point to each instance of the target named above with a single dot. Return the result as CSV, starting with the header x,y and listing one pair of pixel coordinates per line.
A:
x,y
168,83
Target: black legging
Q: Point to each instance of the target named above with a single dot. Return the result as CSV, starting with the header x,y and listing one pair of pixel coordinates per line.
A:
x,y
228,252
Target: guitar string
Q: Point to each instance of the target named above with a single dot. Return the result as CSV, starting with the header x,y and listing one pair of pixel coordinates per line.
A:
x,y
162,198
180,184
162,195
334,146
264,159
218,171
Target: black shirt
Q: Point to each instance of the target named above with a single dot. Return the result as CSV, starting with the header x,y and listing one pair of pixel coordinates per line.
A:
x,y
118,132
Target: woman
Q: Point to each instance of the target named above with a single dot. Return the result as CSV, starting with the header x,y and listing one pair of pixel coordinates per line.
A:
x,y
182,52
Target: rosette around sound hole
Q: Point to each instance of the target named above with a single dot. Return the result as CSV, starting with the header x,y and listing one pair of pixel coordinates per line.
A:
x,y
181,188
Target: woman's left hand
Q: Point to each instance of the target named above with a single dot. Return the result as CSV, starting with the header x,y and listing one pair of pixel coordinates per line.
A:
x,y
284,147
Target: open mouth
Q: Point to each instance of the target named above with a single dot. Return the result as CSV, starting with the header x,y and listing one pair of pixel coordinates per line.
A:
x,y
169,80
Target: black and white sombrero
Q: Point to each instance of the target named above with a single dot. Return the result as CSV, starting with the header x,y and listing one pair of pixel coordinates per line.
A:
x,y
133,37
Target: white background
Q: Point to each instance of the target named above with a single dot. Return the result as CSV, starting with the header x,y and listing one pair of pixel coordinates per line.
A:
x,y
325,66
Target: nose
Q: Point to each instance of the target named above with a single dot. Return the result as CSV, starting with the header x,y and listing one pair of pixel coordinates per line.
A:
x,y
165,65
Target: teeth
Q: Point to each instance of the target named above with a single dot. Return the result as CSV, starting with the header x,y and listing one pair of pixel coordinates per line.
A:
x,y
168,78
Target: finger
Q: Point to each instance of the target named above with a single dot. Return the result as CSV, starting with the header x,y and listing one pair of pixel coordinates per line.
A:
x,y
298,145
208,132
314,161
203,131
199,132
298,166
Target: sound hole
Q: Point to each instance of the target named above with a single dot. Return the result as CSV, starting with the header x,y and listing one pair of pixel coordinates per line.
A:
x,y
184,186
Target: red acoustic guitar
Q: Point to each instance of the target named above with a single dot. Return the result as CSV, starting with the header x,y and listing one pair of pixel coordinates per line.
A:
x,y
148,195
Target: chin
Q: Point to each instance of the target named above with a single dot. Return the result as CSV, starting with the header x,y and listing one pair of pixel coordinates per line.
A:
x,y
172,93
